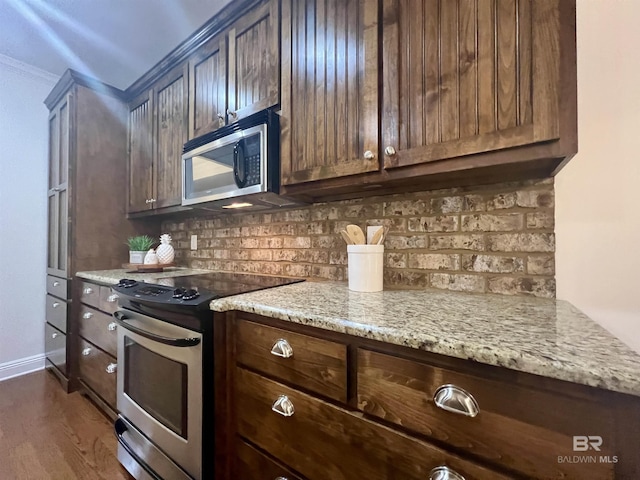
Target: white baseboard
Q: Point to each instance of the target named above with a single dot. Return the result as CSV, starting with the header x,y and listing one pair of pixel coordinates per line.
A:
x,y
21,366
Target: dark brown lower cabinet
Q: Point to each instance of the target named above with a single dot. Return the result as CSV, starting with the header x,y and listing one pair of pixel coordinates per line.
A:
x,y
407,414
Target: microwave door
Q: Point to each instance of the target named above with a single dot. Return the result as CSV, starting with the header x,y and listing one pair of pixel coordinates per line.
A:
x,y
210,172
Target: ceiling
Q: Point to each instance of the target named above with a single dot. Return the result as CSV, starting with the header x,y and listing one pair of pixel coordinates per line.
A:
x,y
115,41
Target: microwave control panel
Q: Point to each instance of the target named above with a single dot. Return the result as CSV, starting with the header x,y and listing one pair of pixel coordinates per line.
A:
x,y
252,160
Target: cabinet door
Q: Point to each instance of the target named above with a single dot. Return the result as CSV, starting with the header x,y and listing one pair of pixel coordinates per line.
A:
x,y
208,87
254,62
141,153
60,124
170,102
329,89
462,77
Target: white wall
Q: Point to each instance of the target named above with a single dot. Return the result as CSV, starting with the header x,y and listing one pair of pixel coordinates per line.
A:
x,y
23,215
598,192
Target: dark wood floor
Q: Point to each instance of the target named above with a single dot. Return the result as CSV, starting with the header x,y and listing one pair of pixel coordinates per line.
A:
x,y
48,434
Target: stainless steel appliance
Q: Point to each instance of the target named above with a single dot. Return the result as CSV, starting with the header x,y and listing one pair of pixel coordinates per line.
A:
x,y
235,166
169,352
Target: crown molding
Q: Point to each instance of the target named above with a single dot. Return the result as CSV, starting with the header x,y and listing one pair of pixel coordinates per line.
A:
x,y
25,69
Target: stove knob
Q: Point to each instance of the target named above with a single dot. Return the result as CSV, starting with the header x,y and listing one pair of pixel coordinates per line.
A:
x,y
179,292
190,294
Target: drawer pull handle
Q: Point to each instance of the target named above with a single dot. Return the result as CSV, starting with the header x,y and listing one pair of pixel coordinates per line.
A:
x,y
87,291
282,349
87,315
112,326
56,283
54,335
55,304
444,473
455,399
112,298
282,478
111,368
86,352
283,406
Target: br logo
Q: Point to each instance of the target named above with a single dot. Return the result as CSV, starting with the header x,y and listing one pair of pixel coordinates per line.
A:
x,y
583,443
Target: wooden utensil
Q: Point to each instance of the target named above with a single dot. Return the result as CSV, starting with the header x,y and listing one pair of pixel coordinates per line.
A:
x,y
356,233
377,237
346,237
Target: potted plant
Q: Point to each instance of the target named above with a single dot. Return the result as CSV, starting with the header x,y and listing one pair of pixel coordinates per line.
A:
x,y
138,247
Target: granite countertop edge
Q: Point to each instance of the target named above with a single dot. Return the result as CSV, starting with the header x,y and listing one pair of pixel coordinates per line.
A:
x,y
622,379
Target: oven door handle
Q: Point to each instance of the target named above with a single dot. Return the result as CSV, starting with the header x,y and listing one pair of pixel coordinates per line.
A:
x,y
121,319
120,428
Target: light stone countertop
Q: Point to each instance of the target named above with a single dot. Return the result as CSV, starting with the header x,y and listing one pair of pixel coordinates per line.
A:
x,y
112,277
534,335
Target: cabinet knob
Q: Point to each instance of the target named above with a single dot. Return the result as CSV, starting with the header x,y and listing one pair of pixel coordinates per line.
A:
x,y
220,116
444,473
86,352
369,155
455,399
54,335
56,189
282,478
112,326
152,200
282,349
56,283
389,151
87,291
147,201
231,113
283,406
112,367
112,298
55,304
87,315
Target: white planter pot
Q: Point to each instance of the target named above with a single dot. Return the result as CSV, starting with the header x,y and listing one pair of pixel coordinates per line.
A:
x,y
136,257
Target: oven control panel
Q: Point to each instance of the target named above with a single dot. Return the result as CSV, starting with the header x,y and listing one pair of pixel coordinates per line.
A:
x,y
133,289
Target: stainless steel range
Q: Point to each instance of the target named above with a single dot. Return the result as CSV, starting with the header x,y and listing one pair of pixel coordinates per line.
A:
x,y
170,350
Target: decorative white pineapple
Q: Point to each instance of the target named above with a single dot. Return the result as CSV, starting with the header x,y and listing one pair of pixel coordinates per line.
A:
x,y
165,250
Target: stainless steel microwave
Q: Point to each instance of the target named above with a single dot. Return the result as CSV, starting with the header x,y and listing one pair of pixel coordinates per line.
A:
x,y
235,166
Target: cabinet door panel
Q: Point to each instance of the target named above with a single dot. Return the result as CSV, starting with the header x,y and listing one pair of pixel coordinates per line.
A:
x,y
171,121
254,59
330,89
208,87
463,77
140,154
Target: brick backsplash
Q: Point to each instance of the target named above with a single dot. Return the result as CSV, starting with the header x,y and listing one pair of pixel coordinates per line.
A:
x,y
490,239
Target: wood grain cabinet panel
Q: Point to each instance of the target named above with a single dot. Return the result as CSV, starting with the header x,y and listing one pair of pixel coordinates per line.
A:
x,y
140,189
58,287
315,364
108,299
329,89
254,465
97,370
464,77
323,441
98,328
208,87
90,294
56,313
170,113
519,428
254,61
55,346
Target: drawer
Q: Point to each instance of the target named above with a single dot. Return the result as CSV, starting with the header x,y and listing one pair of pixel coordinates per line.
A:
x,y
320,440
93,366
254,465
98,328
518,427
108,300
56,313
55,347
315,364
90,294
57,287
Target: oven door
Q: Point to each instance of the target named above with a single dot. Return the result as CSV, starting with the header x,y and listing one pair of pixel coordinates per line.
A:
x,y
159,387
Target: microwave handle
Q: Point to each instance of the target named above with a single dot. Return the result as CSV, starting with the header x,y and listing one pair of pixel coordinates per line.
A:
x,y
239,164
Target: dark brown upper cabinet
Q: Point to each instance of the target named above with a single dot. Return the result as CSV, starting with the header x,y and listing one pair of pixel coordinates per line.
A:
x,y
236,73
469,91
329,89
157,132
